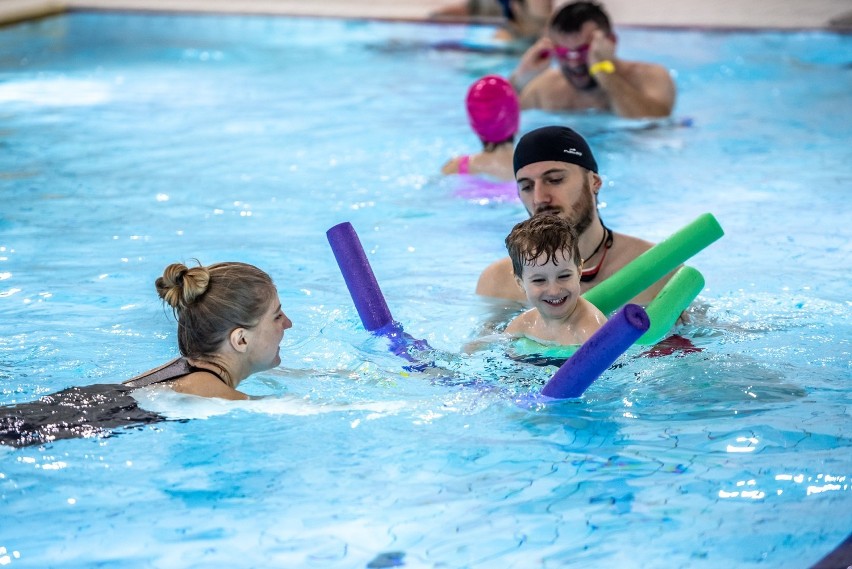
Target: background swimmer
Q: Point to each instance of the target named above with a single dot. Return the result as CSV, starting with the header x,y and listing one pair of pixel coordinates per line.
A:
x,y
524,20
494,115
588,74
547,266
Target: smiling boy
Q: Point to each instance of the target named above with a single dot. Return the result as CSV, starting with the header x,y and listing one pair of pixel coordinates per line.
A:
x,y
547,265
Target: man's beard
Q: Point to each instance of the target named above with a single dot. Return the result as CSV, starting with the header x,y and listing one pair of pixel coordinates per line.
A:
x,y
582,213
574,75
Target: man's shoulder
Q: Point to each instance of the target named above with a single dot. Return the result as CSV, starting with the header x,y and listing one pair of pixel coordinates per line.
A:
x,y
625,248
646,70
629,246
631,242
498,280
549,91
494,275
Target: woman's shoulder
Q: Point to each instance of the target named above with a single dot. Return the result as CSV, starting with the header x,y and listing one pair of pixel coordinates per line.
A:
x,y
205,383
184,377
170,370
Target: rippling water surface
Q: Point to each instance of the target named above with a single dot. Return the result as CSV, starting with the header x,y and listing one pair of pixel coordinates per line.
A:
x,y
133,141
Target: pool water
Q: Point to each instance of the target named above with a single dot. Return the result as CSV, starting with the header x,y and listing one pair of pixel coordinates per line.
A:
x,y
132,141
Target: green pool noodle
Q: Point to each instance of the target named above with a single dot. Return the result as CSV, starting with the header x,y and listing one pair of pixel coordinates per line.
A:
x,y
654,264
671,301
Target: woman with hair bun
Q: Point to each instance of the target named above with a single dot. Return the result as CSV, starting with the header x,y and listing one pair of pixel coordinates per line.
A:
x,y
230,324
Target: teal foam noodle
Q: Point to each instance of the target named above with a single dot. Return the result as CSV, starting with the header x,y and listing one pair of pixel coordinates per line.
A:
x,y
671,301
654,264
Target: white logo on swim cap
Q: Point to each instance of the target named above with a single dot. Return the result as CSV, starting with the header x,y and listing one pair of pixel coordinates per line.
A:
x,y
573,151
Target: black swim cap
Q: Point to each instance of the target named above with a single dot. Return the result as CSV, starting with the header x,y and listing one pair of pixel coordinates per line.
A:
x,y
558,143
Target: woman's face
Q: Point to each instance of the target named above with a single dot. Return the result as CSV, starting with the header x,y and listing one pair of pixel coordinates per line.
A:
x,y
265,337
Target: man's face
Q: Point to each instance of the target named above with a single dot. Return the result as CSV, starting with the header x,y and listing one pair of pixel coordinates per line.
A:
x,y
572,54
560,188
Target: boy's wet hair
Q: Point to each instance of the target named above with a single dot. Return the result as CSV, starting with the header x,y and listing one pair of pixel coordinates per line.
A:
x,y
543,234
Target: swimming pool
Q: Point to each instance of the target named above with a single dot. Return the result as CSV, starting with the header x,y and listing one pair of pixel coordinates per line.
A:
x,y
132,141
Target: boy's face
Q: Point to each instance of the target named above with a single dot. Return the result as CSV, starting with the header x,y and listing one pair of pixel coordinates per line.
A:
x,y
551,288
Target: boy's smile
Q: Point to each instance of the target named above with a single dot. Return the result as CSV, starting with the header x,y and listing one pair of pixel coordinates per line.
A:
x,y
552,287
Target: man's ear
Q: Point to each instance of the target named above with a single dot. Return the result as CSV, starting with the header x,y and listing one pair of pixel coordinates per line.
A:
x,y
597,182
238,339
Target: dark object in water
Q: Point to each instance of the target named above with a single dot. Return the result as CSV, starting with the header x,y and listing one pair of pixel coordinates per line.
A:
x,y
839,558
673,345
76,412
387,559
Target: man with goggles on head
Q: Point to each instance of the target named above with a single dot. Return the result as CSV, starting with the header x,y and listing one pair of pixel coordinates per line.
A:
x,y
580,40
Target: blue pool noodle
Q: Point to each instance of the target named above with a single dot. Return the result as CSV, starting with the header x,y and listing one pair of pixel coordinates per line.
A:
x,y
359,277
598,353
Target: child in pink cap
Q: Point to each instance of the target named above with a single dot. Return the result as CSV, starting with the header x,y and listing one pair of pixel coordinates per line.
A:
x,y
494,115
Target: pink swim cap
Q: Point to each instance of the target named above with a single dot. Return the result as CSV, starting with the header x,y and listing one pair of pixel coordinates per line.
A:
x,y
493,109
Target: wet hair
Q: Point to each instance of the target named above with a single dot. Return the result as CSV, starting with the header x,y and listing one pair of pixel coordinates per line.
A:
x,y
210,302
542,234
571,17
492,146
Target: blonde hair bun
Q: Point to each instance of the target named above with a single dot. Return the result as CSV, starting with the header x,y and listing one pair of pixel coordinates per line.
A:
x,y
180,285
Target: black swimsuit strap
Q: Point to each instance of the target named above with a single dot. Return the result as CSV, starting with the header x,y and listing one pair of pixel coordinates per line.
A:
x,y
211,372
174,369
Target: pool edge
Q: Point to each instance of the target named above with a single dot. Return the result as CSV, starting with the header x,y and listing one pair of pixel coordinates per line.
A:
x,y
15,11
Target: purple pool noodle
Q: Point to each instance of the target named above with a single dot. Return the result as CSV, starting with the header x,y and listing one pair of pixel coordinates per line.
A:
x,y
598,353
401,342
359,277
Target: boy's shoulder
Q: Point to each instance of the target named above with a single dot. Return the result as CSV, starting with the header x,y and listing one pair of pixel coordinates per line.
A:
x,y
523,322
